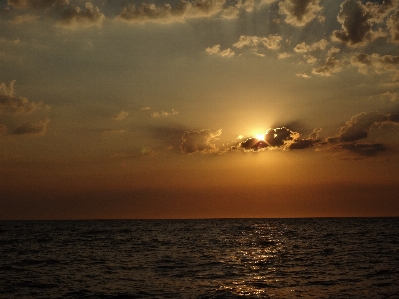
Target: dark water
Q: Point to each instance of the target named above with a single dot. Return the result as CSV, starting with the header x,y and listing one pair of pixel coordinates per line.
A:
x,y
225,258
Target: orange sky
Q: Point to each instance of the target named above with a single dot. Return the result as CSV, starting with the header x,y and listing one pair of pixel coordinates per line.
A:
x,y
122,109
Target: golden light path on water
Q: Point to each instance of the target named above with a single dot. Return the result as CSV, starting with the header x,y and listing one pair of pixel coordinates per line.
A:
x,y
260,259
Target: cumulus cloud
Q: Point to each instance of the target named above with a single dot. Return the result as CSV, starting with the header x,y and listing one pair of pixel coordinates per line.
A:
x,y
378,63
284,55
121,115
331,64
357,22
303,47
281,138
166,13
359,125
148,12
199,142
300,12
10,102
380,11
255,43
75,17
272,42
352,137
29,128
215,50
303,75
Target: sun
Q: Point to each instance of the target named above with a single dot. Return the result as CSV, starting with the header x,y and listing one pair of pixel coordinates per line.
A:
x,y
260,136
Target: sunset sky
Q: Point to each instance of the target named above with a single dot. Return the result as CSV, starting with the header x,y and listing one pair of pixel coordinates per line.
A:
x,y
198,109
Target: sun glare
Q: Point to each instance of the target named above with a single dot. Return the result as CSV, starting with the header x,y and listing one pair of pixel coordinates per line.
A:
x,y
260,136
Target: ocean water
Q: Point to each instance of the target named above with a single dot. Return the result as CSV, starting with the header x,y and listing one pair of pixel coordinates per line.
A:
x,y
212,258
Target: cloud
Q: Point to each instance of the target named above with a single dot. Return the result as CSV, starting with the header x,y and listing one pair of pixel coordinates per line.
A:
x,y
215,50
272,42
38,128
311,141
303,75
255,43
155,114
199,141
331,64
158,113
391,96
380,11
310,59
70,17
280,138
357,22
284,55
24,19
379,63
10,102
152,12
76,17
121,115
38,4
274,138
393,26
166,13
300,12
364,149
303,47
359,125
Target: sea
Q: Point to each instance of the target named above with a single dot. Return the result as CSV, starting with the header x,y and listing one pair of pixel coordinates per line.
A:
x,y
201,258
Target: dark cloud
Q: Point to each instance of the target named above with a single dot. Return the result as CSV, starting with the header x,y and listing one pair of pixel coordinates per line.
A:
x,y
364,149
300,12
38,128
379,64
358,20
274,138
199,141
357,128
359,125
311,141
10,102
